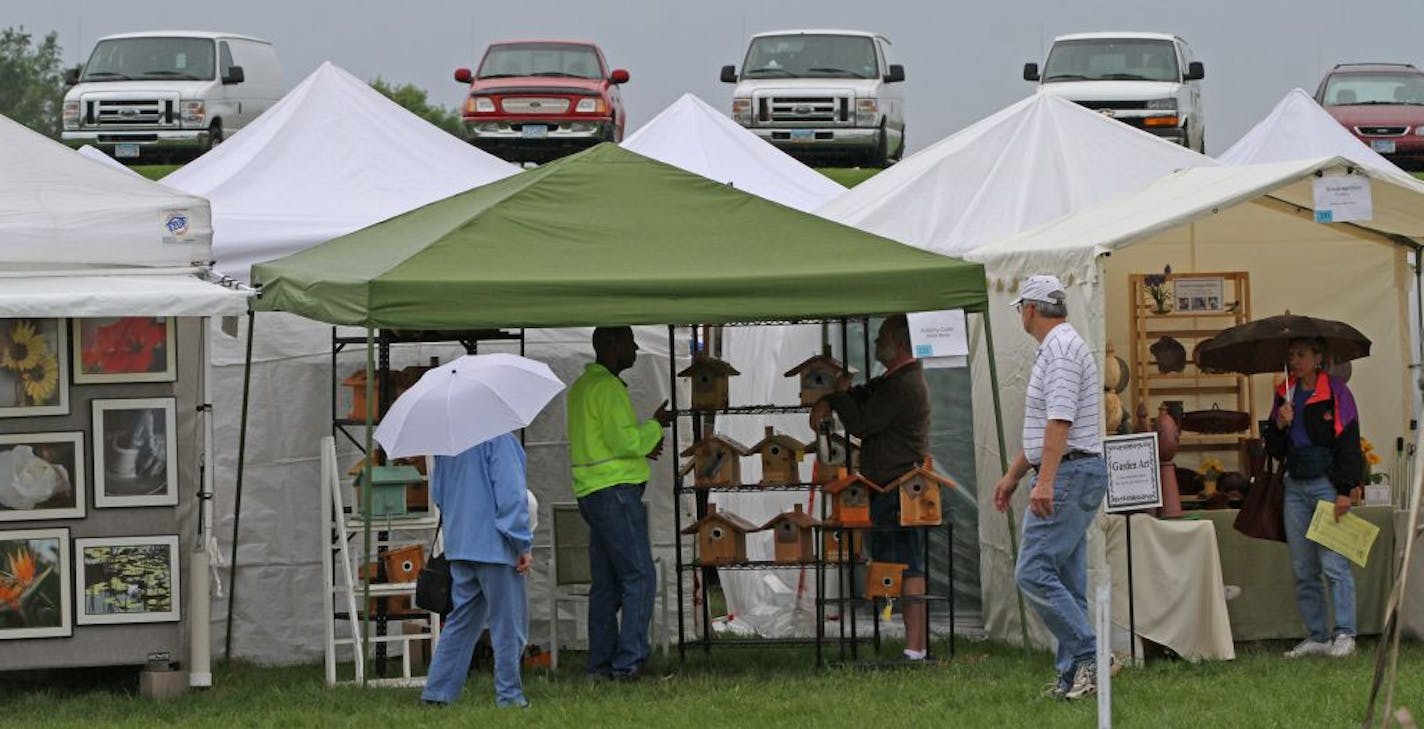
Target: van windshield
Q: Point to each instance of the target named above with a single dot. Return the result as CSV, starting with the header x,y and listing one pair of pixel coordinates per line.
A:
x,y
131,59
555,60
1112,59
811,56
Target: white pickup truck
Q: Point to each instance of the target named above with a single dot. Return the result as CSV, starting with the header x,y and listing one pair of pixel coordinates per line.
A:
x,y
822,95
1148,80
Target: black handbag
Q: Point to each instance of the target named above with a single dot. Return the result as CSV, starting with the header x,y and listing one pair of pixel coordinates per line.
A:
x,y
434,586
1262,513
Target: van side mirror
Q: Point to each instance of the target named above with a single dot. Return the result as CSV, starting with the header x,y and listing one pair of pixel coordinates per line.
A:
x,y
729,74
1030,71
1195,71
896,75
234,75
619,76
463,75
71,76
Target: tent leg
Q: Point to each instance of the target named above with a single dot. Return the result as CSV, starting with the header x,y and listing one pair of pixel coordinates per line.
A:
x,y
200,672
1003,461
237,492
366,478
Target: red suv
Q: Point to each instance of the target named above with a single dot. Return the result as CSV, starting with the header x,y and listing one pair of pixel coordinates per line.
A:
x,y
533,100
1380,103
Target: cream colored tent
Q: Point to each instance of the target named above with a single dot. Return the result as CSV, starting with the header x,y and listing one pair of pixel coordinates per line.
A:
x,y
1253,218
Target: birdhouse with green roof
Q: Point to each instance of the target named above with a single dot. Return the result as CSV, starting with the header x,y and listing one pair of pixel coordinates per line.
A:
x,y
710,378
389,484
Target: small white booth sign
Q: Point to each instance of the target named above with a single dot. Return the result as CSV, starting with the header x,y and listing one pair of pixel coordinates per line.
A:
x,y
1134,480
939,338
1342,198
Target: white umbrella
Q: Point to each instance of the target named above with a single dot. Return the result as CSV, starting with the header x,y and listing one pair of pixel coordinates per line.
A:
x,y
465,403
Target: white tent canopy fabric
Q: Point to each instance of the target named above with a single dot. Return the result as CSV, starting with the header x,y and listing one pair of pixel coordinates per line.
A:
x,y
332,156
60,207
693,136
1031,162
98,155
156,292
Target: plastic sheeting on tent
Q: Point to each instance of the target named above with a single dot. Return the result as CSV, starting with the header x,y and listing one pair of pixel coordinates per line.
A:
x,y
695,137
63,208
1255,218
332,156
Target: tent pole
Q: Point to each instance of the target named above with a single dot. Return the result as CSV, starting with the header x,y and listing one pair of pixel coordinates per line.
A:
x,y
368,473
1003,460
200,671
237,495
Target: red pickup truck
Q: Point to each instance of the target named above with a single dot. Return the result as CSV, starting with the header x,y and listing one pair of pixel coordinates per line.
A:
x,y
537,100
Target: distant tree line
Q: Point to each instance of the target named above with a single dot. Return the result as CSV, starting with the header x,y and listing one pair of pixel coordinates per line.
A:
x,y
415,100
31,80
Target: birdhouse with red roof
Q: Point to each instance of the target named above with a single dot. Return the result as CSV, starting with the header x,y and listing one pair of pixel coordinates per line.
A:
x,y
792,535
721,537
780,458
710,377
818,376
920,503
884,579
850,499
716,460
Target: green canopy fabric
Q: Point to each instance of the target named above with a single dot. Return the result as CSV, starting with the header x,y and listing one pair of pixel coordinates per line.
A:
x,y
608,237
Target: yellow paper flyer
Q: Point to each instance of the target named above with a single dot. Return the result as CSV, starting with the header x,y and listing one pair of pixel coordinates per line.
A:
x,y
1351,536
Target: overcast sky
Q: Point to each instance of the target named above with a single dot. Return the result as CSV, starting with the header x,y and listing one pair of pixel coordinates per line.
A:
x,y
963,59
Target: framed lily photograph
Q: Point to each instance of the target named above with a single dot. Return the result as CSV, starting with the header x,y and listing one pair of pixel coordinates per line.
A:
x,y
42,476
126,580
34,584
34,371
124,349
135,452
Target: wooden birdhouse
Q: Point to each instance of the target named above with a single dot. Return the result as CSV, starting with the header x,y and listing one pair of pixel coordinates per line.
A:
x,y
792,535
818,376
403,563
920,503
716,460
883,579
357,383
850,499
840,453
407,377
836,543
709,382
721,537
780,458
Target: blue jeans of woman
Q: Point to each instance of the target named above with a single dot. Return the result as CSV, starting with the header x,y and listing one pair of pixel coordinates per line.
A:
x,y
1052,570
484,594
624,579
1309,560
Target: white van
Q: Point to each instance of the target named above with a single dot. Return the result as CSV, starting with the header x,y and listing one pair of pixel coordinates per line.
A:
x,y
1148,80
168,93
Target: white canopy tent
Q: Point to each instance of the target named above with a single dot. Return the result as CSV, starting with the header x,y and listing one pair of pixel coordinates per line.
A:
x,y
98,155
1256,218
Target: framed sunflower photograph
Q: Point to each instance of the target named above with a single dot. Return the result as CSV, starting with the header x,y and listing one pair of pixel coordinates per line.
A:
x,y
34,371
35,584
124,349
135,452
42,476
126,580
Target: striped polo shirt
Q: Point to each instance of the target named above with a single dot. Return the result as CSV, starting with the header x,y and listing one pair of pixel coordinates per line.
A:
x,y
1063,386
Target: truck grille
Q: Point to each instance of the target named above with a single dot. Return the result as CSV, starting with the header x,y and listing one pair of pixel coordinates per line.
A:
x,y
803,109
128,112
1114,105
1393,131
534,105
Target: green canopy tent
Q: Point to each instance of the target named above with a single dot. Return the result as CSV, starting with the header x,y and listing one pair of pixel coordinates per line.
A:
x,y
607,237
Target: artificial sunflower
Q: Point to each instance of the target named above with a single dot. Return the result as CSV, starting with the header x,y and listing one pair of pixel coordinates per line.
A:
x,y
24,347
41,380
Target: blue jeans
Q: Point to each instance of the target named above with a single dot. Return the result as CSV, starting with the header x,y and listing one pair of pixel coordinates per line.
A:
x,y
624,580
1052,570
484,594
905,545
1309,560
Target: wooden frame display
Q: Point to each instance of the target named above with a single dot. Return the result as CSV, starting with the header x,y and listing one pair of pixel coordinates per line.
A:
x,y
34,368
124,349
127,580
42,476
135,452
34,584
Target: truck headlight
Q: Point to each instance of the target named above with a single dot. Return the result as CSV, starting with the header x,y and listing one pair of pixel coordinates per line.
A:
x,y
742,111
591,105
867,112
71,114
1162,104
480,105
194,113
1419,131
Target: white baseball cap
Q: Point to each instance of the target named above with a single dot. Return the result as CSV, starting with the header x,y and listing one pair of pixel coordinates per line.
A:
x,y
1043,287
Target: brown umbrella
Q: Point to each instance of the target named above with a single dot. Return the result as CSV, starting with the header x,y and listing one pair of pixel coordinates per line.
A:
x,y
1264,345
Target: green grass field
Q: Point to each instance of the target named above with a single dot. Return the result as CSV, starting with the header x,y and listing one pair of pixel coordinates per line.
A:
x,y
988,685
154,172
848,176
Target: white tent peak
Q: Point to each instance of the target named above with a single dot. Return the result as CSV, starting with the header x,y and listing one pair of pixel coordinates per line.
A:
x,y
692,135
99,155
1029,163
331,157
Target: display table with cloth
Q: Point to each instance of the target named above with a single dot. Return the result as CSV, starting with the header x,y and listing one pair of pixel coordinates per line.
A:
x,y
1411,617
1179,596
1266,609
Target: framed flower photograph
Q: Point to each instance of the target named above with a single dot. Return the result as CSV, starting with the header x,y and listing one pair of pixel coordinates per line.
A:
x,y
126,580
34,371
42,476
34,584
135,452
124,349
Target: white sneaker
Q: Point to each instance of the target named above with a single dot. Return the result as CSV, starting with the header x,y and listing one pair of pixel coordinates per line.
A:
x,y
1310,647
1085,681
1342,646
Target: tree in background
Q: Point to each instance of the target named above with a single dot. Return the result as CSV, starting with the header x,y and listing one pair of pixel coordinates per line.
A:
x,y
31,80
415,100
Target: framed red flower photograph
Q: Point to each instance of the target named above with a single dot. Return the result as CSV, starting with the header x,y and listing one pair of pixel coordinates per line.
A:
x,y
124,349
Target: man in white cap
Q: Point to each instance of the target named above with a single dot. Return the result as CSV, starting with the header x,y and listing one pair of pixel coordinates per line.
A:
x,y
1061,444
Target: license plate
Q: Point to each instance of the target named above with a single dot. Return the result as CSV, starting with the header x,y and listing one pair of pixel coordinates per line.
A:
x,y
803,135
1383,146
534,131
126,151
